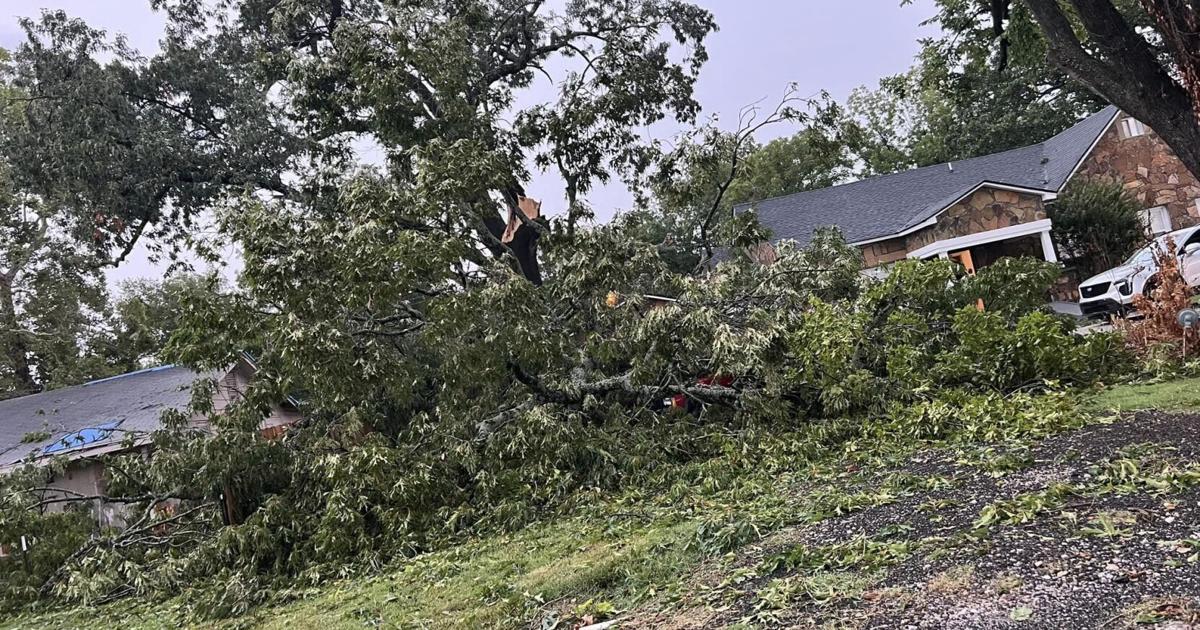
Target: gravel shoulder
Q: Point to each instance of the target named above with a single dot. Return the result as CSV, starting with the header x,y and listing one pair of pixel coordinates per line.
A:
x,y
1096,528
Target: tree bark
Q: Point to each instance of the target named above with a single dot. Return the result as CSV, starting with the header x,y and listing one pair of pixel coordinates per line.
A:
x,y
517,236
1179,24
1120,66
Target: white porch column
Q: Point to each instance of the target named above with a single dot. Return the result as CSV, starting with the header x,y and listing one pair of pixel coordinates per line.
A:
x,y
1048,247
944,255
943,247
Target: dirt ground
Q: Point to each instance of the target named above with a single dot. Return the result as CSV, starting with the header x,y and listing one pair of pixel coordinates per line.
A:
x,y
1097,528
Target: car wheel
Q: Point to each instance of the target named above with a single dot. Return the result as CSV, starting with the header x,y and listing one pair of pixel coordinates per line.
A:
x,y
1150,286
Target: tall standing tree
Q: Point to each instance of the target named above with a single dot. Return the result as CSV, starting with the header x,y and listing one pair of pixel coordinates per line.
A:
x,y
253,108
1154,77
139,147
245,91
147,312
973,91
53,301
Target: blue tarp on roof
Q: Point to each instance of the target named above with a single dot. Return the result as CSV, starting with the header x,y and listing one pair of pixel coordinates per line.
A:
x,y
137,400
82,437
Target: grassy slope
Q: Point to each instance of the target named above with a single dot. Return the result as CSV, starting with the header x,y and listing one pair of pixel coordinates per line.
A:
x,y
480,583
490,582
615,554
1177,395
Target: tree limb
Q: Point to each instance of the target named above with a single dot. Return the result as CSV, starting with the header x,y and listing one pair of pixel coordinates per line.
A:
x,y
1122,67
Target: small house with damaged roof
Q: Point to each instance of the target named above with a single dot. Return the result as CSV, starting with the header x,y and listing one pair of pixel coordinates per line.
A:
x,y
84,422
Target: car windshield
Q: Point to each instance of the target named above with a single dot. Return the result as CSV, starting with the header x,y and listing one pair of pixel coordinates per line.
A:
x,y
1145,255
1142,256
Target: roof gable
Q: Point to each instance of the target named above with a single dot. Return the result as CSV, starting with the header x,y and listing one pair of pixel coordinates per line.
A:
x,y
888,205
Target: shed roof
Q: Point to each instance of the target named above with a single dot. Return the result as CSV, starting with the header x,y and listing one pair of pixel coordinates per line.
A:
x,y
94,414
887,205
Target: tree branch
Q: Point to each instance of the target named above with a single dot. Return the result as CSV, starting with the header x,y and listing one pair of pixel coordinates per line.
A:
x,y
747,128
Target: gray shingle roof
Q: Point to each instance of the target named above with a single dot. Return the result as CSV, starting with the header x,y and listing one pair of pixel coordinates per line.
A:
x,y
890,204
135,401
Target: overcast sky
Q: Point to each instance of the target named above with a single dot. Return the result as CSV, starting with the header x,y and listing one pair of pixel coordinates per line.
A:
x,y
762,47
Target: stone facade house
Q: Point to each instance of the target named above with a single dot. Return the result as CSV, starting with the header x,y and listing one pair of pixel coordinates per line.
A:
x,y
112,415
980,209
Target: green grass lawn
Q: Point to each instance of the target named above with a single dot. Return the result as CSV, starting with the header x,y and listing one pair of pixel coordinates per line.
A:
x,y
496,582
572,565
1174,395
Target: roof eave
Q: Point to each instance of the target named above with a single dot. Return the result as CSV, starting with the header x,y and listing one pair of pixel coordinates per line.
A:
x,y
77,453
1092,147
1045,194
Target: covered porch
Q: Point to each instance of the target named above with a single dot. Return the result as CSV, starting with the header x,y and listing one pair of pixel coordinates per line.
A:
x,y
975,251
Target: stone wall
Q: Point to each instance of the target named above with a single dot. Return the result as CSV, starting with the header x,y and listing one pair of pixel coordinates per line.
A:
x,y
1149,170
985,209
884,252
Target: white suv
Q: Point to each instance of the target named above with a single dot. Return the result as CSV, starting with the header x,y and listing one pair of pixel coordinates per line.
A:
x,y
1112,291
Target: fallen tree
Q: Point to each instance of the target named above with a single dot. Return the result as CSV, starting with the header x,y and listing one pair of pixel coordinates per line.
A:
x,y
513,398
463,366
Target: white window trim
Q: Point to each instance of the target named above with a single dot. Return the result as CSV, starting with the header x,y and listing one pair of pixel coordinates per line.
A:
x,y
944,247
1132,127
1148,216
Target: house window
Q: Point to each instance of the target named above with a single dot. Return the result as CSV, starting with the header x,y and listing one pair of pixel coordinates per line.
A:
x,y
1157,220
1131,128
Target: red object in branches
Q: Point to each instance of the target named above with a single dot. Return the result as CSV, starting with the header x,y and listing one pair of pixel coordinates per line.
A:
x,y
680,401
